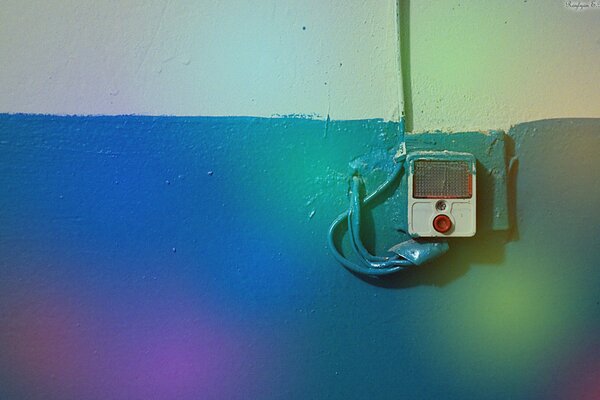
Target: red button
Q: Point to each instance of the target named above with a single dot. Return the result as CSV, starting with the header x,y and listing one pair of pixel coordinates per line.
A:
x,y
442,223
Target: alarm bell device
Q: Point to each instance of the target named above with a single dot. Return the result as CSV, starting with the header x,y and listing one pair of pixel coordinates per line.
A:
x,y
441,203
441,194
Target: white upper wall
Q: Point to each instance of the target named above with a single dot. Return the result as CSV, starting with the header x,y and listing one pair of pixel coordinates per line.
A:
x,y
210,57
490,64
474,64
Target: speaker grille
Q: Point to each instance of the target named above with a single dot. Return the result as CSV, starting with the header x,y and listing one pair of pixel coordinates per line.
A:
x,y
435,179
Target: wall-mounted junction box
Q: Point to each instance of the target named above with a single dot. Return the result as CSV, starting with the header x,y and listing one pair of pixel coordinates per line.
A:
x,y
441,194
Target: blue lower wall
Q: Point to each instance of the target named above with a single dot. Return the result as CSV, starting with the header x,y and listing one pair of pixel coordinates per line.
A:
x,y
185,258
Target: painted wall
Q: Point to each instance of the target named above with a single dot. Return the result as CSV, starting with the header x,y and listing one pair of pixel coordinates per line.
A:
x,y
229,57
490,64
185,257
474,64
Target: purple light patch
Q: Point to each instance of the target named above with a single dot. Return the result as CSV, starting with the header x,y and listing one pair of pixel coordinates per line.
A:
x,y
581,375
55,346
178,359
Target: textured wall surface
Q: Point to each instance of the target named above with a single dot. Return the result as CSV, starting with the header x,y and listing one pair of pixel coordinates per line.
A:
x,y
491,64
146,257
185,257
226,57
473,64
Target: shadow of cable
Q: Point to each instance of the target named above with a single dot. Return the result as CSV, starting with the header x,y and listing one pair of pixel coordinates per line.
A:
x,y
484,249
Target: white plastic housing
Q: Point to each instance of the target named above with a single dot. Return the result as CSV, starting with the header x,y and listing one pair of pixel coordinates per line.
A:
x,y
441,183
